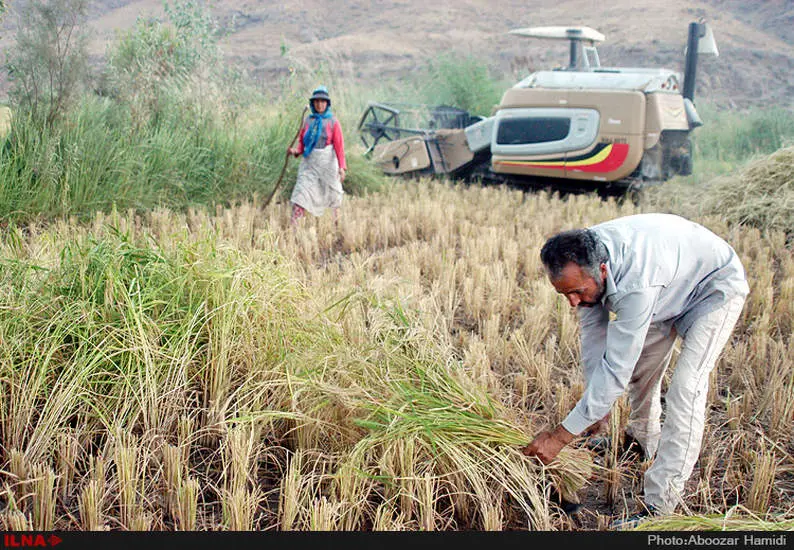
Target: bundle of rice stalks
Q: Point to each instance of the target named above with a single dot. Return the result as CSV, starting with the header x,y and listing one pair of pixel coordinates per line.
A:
x,y
761,195
470,447
434,443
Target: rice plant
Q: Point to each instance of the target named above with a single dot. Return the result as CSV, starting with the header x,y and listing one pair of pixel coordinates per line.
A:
x,y
188,369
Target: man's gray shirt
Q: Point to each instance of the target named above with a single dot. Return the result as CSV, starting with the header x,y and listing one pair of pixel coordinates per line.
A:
x,y
662,269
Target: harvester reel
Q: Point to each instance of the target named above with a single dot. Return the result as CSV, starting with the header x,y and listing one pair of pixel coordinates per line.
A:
x,y
379,122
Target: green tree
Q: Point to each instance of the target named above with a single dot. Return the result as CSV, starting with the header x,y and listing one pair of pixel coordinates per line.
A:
x,y
48,65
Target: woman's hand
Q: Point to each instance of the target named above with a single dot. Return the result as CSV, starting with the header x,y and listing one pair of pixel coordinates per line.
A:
x,y
293,151
341,174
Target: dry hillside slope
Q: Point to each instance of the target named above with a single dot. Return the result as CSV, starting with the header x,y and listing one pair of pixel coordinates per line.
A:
x,y
390,38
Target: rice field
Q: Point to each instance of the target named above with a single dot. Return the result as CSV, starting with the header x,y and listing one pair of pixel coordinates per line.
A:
x,y
205,371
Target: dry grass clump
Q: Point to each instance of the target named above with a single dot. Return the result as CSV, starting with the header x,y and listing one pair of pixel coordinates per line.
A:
x,y
761,194
197,371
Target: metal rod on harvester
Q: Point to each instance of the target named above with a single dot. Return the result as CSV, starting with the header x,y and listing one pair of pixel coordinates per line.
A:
x,y
286,159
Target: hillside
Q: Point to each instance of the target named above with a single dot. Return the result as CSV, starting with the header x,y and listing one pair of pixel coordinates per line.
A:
x,y
370,41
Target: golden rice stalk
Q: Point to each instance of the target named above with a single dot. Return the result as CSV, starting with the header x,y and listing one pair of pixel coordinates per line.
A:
x,y
737,518
239,507
185,436
324,515
43,498
239,456
126,459
186,507
427,502
492,515
18,465
763,467
385,519
142,522
68,448
173,471
15,520
90,506
290,493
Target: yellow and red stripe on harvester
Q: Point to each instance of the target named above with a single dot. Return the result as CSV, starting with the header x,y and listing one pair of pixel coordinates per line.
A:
x,y
605,157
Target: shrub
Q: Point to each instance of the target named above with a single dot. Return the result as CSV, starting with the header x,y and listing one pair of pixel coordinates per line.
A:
x,y
462,82
48,65
156,56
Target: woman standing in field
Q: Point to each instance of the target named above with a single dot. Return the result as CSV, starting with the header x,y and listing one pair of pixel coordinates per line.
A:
x,y
322,168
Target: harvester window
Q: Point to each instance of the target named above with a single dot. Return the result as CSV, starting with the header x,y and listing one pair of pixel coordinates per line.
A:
x,y
591,57
522,131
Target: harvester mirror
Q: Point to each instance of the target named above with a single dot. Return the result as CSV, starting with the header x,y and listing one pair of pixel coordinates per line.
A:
x,y
707,44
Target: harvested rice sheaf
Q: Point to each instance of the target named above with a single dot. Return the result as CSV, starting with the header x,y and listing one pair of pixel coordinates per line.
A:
x,y
421,419
458,425
761,195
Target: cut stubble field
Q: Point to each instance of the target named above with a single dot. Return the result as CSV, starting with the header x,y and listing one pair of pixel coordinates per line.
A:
x,y
196,371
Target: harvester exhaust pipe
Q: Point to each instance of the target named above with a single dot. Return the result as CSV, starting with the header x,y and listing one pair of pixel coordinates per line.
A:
x,y
696,31
700,41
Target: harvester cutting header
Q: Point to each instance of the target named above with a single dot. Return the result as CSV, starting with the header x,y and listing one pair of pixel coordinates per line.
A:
x,y
611,128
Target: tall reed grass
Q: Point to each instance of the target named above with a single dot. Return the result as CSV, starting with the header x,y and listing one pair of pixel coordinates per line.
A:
x,y
190,155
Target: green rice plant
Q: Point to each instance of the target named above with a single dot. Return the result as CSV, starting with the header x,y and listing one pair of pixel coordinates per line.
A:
x,y
119,335
407,397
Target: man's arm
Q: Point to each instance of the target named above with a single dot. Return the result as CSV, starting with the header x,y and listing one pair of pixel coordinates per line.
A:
x,y
593,323
624,342
625,338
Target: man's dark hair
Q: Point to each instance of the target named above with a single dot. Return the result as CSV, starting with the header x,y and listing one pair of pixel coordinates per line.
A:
x,y
580,246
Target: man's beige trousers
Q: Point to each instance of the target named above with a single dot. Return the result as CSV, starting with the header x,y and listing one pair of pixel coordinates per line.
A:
x,y
676,443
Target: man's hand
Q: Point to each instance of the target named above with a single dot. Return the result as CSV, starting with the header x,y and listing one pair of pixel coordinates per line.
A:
x,y
547,445
598,427
341,174
293,151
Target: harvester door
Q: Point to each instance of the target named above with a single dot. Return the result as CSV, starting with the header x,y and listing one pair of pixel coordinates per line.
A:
x,y
617,151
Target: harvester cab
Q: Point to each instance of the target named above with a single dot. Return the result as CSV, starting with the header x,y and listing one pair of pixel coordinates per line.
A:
x,y
608,128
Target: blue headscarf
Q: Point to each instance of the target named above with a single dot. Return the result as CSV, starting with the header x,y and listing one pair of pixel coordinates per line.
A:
x,y
316,121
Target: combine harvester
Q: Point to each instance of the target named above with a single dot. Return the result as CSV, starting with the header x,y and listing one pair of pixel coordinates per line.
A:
x,y
585,126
